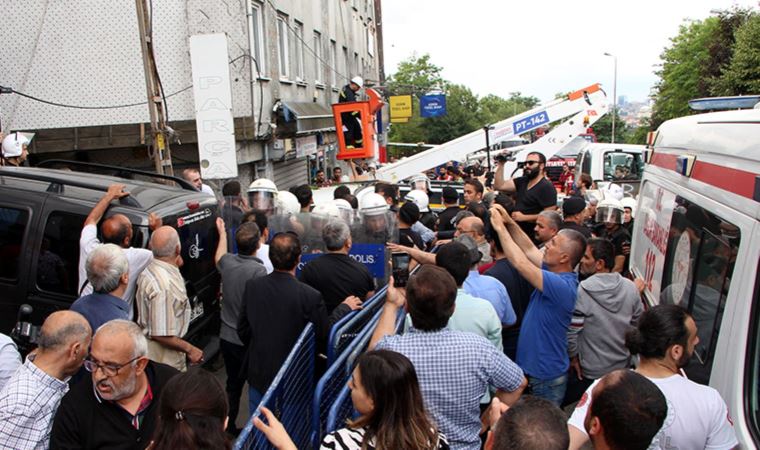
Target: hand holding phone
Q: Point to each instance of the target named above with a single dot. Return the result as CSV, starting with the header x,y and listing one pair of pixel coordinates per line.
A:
x,y
400,265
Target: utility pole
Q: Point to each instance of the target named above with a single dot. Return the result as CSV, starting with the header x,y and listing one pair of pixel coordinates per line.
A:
x,y
614,94
159,142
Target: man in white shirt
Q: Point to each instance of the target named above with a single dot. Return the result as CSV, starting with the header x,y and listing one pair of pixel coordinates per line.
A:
x,y
31,397
193,176
697,415
116,229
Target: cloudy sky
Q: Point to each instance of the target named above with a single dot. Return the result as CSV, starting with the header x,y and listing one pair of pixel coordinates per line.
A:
x,y
540,47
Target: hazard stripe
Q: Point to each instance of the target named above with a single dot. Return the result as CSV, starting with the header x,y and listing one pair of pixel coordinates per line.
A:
x,y
740,182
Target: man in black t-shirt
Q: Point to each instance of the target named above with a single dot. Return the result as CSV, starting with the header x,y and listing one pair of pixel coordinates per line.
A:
x,y
335,274
573,215
534,192
445,222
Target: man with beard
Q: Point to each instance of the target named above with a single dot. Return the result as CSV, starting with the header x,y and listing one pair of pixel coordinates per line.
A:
x,y
534,192
697,416
116,408
607,306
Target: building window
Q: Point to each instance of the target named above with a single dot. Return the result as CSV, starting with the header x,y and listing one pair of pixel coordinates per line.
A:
x,y
318,57
282,47
371,41
257,29
356,65
346,64
333,62
300,63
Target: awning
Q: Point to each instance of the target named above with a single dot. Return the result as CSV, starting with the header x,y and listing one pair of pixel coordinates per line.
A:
x,y
302,117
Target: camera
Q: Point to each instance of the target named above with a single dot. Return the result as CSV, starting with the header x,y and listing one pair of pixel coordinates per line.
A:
x,y
500,158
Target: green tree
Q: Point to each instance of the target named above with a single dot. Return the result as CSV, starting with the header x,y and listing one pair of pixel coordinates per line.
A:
x,y
603,129
742,76
681,74
494,108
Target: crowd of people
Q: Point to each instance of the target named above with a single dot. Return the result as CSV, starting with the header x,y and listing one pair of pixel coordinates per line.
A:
x,y
524,308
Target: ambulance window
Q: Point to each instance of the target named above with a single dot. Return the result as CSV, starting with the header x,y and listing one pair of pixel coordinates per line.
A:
x,y
752,380
697,275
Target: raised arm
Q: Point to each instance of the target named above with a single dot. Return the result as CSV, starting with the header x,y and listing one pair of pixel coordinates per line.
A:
x,y
521,239
395,298
221,248
515,255
499,183
115,191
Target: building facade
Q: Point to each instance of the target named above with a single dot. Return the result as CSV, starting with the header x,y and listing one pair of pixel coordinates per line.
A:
x,y
288,59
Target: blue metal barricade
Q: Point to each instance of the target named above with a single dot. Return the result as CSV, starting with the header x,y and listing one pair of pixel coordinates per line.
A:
x,y
289,397
345,330
336,377
342,408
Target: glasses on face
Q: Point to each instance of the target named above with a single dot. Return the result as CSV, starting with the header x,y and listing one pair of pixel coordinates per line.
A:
x,y
109,369
531,163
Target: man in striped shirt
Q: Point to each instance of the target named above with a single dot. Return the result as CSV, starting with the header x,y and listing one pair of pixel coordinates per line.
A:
x,y
162,303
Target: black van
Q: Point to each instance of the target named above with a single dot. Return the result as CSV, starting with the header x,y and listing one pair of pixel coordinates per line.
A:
x,y
42,211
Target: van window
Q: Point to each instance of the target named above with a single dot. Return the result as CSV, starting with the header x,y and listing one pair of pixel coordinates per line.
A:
x,y
697,273
585,164
619,166
13,223
57,264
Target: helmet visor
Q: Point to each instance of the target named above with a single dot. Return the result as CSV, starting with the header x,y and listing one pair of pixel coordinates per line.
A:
x,y
607,214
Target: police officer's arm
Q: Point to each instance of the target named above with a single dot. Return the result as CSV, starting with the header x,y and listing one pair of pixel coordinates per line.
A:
x,y
499,183
515,255
521,239
395,298
115,191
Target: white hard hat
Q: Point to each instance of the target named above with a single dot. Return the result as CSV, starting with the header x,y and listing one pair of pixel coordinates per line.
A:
x,y
327,209
287,204
420,181
345,209
609,210
629,202
373,204
357,80
13,145
263,185
419,198
615,191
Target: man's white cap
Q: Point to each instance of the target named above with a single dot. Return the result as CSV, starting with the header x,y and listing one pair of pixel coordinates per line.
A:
x,y
358,81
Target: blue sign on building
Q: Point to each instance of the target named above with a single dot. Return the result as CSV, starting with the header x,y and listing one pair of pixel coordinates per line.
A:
x,y
371,255
433,105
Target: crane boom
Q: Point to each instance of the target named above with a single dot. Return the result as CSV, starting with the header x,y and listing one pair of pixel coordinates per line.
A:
x,y
591,101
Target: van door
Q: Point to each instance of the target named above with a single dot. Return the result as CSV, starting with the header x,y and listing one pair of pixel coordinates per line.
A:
x,y
17,224
54,277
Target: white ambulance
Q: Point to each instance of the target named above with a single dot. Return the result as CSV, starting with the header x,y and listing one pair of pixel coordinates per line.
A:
x,y
696,243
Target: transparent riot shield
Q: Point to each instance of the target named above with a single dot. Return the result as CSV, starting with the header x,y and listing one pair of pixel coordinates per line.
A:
x,y
370,234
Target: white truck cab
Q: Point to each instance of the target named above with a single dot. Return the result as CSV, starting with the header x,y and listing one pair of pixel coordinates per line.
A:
x,y
696,243
622,164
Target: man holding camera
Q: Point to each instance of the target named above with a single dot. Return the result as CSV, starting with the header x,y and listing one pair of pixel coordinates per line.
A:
x,y
534,192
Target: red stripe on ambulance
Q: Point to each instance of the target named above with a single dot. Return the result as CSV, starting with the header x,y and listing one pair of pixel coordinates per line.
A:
x,y
738,181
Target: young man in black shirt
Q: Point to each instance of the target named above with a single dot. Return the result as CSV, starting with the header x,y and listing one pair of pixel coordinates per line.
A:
x,y
445,220
534,192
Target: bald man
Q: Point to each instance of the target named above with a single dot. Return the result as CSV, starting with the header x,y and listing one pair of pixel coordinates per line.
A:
x,y
474,227
542,344
162,304
30,399
116,229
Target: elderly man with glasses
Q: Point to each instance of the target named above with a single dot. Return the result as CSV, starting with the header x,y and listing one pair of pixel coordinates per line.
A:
x,y
534,192
116,408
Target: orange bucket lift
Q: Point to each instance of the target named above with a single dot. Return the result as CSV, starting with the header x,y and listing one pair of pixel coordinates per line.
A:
x,y
366,112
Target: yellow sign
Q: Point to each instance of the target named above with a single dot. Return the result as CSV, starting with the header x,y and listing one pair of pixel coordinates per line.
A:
x,y
401,106
399,119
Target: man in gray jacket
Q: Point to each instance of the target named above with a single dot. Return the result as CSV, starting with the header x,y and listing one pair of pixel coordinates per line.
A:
x,y
608,306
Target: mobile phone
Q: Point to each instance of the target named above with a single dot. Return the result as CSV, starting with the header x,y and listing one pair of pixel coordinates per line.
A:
x,y
400,265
